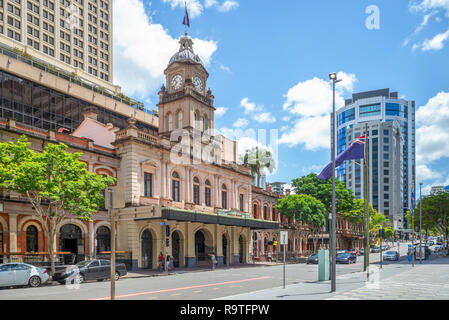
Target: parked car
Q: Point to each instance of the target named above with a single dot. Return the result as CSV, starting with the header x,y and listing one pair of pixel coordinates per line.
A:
x,y
385,247
355,251
430,243
341,251
362,251
22,274
89,270
391,255
346,258
375,249
313,259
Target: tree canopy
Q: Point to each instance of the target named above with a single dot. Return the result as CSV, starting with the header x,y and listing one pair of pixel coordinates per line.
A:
x,y
258,159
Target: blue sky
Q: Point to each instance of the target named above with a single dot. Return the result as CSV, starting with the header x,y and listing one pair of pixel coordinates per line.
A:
x,y
269,63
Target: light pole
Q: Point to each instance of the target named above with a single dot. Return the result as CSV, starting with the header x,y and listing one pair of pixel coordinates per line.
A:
x,y
333,78
420,225
112,217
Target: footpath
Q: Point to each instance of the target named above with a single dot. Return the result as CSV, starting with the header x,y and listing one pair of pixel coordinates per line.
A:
x,y
395,281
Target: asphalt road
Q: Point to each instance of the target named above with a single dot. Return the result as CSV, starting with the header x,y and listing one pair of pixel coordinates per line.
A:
x,y
202,285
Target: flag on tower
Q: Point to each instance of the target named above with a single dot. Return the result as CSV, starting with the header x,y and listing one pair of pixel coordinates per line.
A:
x,y
186,21
355,151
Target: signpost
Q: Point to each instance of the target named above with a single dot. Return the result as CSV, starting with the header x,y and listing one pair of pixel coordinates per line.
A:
x,y
114,200
284,241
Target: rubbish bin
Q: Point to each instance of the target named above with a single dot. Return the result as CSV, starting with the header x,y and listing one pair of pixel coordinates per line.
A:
x,y
323,265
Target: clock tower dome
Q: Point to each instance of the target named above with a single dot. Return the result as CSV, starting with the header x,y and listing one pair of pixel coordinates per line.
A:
x,y
184,102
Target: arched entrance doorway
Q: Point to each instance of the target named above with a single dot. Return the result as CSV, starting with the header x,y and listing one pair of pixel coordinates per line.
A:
x,y
224,240
176,248
241,251
71,240
103,238
147,249
31,236
200,247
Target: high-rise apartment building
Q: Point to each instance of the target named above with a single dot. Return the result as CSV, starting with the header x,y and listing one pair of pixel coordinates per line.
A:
x,y
72,35
374,107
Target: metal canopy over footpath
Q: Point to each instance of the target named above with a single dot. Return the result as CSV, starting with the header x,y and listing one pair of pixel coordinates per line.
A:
x,y
193,216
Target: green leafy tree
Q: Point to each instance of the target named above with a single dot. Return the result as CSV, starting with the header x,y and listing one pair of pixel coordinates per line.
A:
x,y
56,183
436,209
306,209
322,190
258,159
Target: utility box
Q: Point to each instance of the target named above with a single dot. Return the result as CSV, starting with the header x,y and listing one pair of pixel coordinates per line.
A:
x,y
323,265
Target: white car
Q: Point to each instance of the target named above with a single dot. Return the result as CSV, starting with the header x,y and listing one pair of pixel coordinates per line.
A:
x,y
22,274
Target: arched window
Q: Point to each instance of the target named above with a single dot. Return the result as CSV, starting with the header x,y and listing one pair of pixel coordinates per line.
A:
x,y
31,234
224,197
169,122
1,241
207,193
241,202
273,214
197,121
204,123
175,186
265,213
196,191
103,239
255,211
179,120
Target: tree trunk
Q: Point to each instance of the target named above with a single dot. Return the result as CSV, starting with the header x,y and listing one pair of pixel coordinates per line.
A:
x,y
51,250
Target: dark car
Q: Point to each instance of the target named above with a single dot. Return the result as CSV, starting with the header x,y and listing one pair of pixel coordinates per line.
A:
x,y
355,251
313,259
346,258
89,270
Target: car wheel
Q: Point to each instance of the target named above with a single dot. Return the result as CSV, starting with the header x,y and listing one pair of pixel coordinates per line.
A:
x,y
117,276
79,278
34,281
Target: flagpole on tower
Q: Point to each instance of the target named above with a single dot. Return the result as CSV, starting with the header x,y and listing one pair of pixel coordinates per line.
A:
x,y
186,21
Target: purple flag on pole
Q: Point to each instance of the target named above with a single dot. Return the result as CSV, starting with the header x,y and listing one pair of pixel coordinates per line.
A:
x,y
186,21
355,151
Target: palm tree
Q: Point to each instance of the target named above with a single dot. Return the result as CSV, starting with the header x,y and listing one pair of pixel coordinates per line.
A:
x,y
258,160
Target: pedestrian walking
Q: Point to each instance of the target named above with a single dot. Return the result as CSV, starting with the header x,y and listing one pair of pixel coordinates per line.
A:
x,y
269,256
161,260
214,261
169,263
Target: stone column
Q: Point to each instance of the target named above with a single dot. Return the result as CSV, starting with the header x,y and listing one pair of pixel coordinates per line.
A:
x,y
190,258
13,232
217,191
188,185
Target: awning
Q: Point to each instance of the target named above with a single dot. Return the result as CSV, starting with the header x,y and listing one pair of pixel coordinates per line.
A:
x,y
182,215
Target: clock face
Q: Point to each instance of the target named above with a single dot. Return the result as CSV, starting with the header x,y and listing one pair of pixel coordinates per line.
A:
x,y
198,83
176,82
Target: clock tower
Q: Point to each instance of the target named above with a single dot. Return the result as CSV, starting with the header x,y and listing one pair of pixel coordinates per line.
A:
x,y
184,102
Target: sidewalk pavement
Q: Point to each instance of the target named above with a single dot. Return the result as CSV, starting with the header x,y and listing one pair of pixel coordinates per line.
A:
x,y
144,273
395,281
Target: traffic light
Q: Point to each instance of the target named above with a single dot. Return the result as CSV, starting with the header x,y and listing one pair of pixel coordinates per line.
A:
x,y
167,242
381,233
167,231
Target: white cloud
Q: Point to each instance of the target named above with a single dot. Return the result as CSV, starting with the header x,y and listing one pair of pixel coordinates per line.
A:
x,y
248,106
436,43
228,5
432,135
265,117
429,8
423,172
225,68
220,111
241,122
246,139
311,102
194,7
139,65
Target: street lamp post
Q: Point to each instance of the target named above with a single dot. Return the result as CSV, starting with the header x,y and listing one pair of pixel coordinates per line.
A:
x,y
333,78
420,225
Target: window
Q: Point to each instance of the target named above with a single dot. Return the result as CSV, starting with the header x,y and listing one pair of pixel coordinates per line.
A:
x,y
273,214
207,194
103,238
148,185
224,197
255,211
369,110
204,123
31,235
179,120
175,186
241,202
169,122
196,191
265,213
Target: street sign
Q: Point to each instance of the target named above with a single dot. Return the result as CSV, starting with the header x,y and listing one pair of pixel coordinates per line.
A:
x,y
284,237
162,223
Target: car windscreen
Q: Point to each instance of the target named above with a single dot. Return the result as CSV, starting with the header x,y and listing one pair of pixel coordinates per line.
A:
x,y
344,255
82,263
391,252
